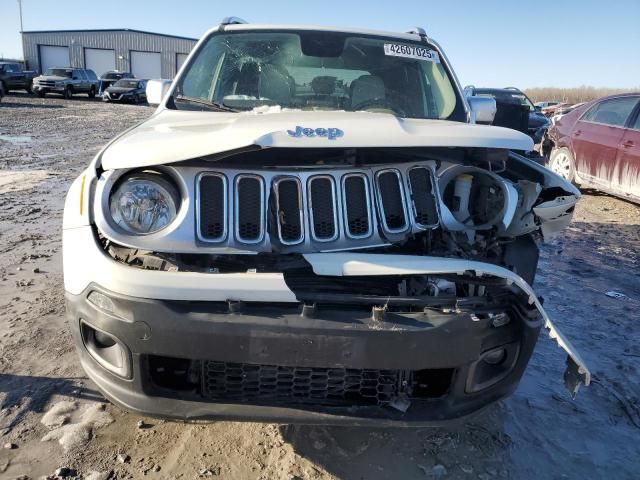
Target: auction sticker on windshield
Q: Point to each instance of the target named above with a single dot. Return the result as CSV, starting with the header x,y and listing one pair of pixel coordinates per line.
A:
x,y
411,51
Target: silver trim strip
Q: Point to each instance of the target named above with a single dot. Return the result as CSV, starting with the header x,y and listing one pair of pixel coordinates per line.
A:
x,y
237,209
345,208
225,206
334,203
381,203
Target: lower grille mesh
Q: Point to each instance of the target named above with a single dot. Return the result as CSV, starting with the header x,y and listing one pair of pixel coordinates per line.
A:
x,y
247,382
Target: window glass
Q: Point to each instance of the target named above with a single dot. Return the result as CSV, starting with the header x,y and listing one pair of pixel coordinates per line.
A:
x,y
91,75
614,112
321,71
636,124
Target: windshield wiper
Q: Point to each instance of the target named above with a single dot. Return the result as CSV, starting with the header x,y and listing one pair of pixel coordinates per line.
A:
x,y
216,107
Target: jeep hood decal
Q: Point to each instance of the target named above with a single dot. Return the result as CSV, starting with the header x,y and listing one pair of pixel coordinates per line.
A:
x,y
172,136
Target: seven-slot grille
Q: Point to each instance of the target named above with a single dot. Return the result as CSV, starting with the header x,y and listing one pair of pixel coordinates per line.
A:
x,y
297,209
251,382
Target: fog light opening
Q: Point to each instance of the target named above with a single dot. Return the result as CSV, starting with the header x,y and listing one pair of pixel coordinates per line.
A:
x,y
106,349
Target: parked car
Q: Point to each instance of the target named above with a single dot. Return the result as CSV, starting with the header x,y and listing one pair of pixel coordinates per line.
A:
x,y
130,90
362,254
112,76
597,145
12,77
66,81
552,109
542,105
515,110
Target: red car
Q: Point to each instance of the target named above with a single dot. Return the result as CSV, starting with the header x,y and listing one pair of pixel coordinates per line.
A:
x,y
598,145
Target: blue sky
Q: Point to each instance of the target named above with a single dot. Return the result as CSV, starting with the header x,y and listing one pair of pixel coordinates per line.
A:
x,y
561,43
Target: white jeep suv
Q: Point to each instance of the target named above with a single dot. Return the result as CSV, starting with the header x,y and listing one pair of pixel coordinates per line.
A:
x,y
312,227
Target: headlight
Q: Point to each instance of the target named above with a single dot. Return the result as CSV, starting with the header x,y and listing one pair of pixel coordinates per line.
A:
x,y
144,203
59,84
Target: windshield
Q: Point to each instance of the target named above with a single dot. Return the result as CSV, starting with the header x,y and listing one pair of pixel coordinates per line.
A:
x,y
59,72
319,71
126,83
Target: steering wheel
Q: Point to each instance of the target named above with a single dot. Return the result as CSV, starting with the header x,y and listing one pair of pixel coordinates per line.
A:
x,y
379,102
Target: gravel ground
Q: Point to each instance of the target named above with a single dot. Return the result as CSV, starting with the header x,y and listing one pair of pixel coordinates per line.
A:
x,y
539,432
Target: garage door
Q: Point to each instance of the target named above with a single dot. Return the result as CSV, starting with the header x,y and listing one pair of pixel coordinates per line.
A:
x,y
99,60
53,57
180,58
146,65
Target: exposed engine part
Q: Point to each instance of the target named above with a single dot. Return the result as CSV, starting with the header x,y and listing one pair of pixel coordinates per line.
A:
x,y
475,200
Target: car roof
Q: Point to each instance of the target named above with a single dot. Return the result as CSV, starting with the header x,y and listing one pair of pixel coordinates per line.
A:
x,y
317,28
496,90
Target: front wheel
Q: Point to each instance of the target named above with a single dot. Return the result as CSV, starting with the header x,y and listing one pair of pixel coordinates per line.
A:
x,y
562,163
29,88
40,93
92,92
68,92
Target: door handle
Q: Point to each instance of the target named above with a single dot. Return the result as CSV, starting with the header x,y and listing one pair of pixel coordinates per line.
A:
x,y
577,133
628,144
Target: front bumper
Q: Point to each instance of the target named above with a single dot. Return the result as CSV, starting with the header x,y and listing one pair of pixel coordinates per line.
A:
x,y
254,319
446,347
48,89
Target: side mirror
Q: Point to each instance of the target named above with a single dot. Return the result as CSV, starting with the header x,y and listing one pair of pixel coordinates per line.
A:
x,y
156,91
483,109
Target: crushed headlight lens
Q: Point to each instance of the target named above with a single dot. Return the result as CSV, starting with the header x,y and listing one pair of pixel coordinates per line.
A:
x,y
144,203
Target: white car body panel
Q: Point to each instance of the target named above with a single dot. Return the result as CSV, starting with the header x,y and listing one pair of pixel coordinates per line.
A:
x,y
172,136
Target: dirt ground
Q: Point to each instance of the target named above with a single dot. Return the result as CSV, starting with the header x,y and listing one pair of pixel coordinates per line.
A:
x,y
539,432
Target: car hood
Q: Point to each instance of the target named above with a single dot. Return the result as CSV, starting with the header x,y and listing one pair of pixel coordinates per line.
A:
x,y
171,136
52,77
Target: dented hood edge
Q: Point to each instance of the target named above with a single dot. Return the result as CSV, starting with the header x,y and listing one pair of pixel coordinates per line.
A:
x,y
172,136
362,264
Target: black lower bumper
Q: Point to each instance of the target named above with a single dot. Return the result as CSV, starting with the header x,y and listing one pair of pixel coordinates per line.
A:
x,y
447,349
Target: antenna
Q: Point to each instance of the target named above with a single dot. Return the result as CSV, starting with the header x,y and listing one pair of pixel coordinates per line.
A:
x,y
20,8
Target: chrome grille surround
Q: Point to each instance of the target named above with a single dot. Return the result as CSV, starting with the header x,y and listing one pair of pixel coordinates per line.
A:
x,y
282,214
184,235
261,210
200,208
382,196
312,209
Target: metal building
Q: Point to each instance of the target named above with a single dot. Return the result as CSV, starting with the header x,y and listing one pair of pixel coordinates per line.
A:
x,y
145,54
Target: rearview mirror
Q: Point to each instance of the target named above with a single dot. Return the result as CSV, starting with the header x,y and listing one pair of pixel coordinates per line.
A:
x,y
483,109
156,91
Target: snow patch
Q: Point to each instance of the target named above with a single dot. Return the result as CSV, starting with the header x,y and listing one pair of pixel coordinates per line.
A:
x,y
74,434
58,415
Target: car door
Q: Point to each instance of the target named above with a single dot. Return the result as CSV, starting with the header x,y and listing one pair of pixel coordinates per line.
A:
x,y
627,178
595,138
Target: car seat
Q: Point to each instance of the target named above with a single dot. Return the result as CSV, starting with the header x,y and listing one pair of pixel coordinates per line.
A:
x,y
365,89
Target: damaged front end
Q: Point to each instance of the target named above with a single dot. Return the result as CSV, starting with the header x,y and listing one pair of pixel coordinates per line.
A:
x,y
391,280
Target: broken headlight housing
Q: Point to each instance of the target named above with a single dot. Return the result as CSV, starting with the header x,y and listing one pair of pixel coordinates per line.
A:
x,y
144,203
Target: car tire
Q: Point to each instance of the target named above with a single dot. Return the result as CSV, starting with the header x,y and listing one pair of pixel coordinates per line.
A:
x,y
40,93
92,92
68,92
29,88
561,163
